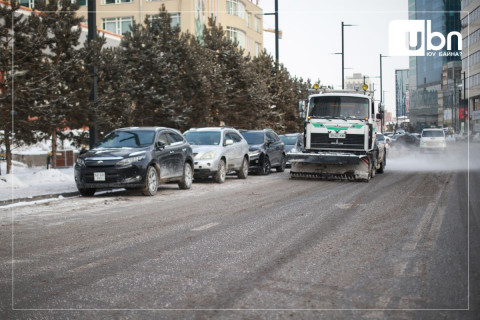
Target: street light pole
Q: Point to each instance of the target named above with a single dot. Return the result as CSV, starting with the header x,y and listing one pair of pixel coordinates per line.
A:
x,y
92,35
277,54
381,89
343,53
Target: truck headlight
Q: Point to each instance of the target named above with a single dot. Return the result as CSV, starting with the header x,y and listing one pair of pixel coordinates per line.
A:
x,y
129,161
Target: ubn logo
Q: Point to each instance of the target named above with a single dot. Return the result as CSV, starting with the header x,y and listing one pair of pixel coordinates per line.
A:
x,y
408,38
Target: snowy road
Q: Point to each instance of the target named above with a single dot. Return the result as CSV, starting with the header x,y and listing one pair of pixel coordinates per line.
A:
x,y
265,247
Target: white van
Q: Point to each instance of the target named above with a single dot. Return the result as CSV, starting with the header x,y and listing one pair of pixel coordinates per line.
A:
x,y
433,140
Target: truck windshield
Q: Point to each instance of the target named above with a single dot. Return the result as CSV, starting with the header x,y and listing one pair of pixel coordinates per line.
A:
x,y
339,107
127,139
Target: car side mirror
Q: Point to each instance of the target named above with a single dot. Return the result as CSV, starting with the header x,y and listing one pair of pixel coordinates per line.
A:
x,y
228,142
160,145
379,116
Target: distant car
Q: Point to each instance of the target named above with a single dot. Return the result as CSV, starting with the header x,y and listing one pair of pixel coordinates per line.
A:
x,y
293,143
136,158
404,140
266,150
388,134
433,140
218,151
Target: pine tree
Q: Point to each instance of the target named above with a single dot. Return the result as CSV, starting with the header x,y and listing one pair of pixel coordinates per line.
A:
x,y
58,108
21,45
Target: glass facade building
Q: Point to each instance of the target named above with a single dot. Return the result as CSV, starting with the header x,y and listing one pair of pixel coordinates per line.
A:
x,y
426,75
470,16
401,93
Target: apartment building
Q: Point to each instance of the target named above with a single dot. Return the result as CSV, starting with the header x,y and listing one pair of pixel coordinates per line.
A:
x,y
241,19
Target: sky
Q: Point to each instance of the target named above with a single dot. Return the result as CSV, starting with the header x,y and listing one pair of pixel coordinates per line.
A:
x,y
312,33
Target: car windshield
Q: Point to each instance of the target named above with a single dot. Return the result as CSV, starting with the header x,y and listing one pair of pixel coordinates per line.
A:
x,y
254,137
433,133
203,138
338,107
127,139
289,140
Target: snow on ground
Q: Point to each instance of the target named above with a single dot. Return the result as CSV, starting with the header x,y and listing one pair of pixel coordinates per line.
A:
x,y
26,182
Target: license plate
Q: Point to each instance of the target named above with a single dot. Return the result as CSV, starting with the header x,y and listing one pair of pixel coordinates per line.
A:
x,y
99,176
337,135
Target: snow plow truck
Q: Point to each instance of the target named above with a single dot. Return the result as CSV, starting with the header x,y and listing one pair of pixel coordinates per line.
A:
x,y
339,137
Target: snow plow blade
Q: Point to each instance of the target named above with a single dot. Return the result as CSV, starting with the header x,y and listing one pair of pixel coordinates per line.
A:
x,y
329,166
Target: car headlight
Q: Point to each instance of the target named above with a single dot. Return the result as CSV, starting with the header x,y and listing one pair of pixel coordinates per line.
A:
x,y
129,161
80,162
207,155
254,153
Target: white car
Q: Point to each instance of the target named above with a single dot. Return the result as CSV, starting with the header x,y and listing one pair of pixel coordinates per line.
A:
x,y
433,140
218,151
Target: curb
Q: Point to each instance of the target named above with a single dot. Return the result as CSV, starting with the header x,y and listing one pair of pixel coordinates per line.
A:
x,y
40,197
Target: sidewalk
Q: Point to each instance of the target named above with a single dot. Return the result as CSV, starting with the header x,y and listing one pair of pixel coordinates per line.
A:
x,y
29,184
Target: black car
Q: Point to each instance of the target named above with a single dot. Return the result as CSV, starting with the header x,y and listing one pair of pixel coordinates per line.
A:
x,y
136,158
266,150
405,140
293,143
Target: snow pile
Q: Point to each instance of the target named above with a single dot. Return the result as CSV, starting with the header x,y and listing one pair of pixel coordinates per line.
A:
x,y
11,181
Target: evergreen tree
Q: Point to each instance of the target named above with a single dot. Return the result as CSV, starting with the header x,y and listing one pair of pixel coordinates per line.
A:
x,y
59,107
21,45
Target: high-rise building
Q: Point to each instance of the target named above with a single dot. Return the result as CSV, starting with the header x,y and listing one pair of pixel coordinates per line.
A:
x,y
401,93
426,92
471,62
241,19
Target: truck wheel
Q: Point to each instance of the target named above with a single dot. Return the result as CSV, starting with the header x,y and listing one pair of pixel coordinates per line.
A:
x,y
382,167
373,169
265,169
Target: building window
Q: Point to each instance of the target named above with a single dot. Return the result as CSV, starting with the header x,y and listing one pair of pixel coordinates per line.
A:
x,y
119,25
257,24
116,1
257,49
174,17
237,35
248,19
236,8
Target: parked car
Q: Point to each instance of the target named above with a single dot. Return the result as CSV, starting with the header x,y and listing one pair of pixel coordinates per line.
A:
x,y
293,143
266,150
136,158
381,146
218,151
433,140
405,140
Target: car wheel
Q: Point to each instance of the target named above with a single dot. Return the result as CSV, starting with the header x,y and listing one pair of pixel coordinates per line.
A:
x,y
265,169
86,192
243,172
221,173
151,182
281,167
187,178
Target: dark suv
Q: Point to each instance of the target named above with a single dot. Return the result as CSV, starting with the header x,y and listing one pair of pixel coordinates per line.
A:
x,y
266,150
136,158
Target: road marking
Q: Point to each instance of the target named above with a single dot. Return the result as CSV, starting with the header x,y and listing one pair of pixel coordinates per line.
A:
x,y
205,227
